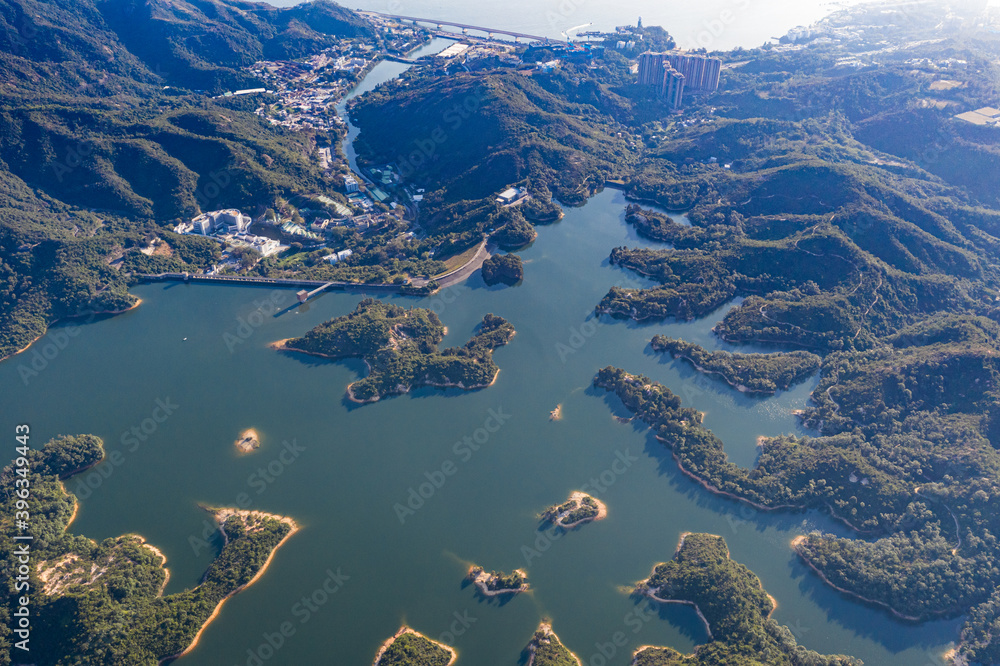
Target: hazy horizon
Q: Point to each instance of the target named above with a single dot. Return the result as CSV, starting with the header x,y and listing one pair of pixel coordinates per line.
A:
x,y
712,24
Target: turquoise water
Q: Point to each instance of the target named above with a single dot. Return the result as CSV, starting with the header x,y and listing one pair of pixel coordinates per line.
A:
x,y
203,351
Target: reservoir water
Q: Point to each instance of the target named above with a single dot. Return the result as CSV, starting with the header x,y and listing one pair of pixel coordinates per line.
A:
x,y
203,351
383,524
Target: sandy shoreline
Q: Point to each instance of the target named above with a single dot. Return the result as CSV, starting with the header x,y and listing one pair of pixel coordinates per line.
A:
x,y
76,500
474,387
138,302
221,515
642,648
556,414
739,387
282,345
76,509
778,507
708,629
407,630
577,496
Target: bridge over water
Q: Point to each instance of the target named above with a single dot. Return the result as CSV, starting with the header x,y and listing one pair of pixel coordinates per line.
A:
x,y
490,31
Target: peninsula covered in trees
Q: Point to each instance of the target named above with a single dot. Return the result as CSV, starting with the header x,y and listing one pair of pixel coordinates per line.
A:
x,y
411,648
732,604
749,373
103,601
927,514
400,348
545,649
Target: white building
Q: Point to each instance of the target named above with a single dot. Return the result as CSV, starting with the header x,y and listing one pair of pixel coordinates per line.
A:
x,y
350,184
338,256
987,116
509,195
219,221
266,246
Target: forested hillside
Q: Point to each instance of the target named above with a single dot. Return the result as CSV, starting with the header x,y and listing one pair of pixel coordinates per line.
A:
x,y
97,156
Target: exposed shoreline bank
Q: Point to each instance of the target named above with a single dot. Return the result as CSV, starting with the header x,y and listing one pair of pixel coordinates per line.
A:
x,y
221,515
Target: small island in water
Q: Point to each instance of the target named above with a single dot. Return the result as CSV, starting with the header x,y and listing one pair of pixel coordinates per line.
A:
x,y
545,649
496,583
503,269
580,508
400,348
411,648
248,441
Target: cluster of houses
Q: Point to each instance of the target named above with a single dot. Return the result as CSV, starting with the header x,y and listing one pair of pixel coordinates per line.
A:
x,y
305,102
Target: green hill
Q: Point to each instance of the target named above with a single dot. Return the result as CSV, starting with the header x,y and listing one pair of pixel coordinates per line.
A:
x,y
471,135
205,44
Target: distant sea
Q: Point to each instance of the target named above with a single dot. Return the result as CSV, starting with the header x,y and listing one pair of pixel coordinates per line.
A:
x,y
713,24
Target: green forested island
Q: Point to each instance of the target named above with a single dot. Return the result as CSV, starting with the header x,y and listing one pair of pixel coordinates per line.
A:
x,y
411,648
103,602
750,373
580,508
400,347
496,583
503,269
732,604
